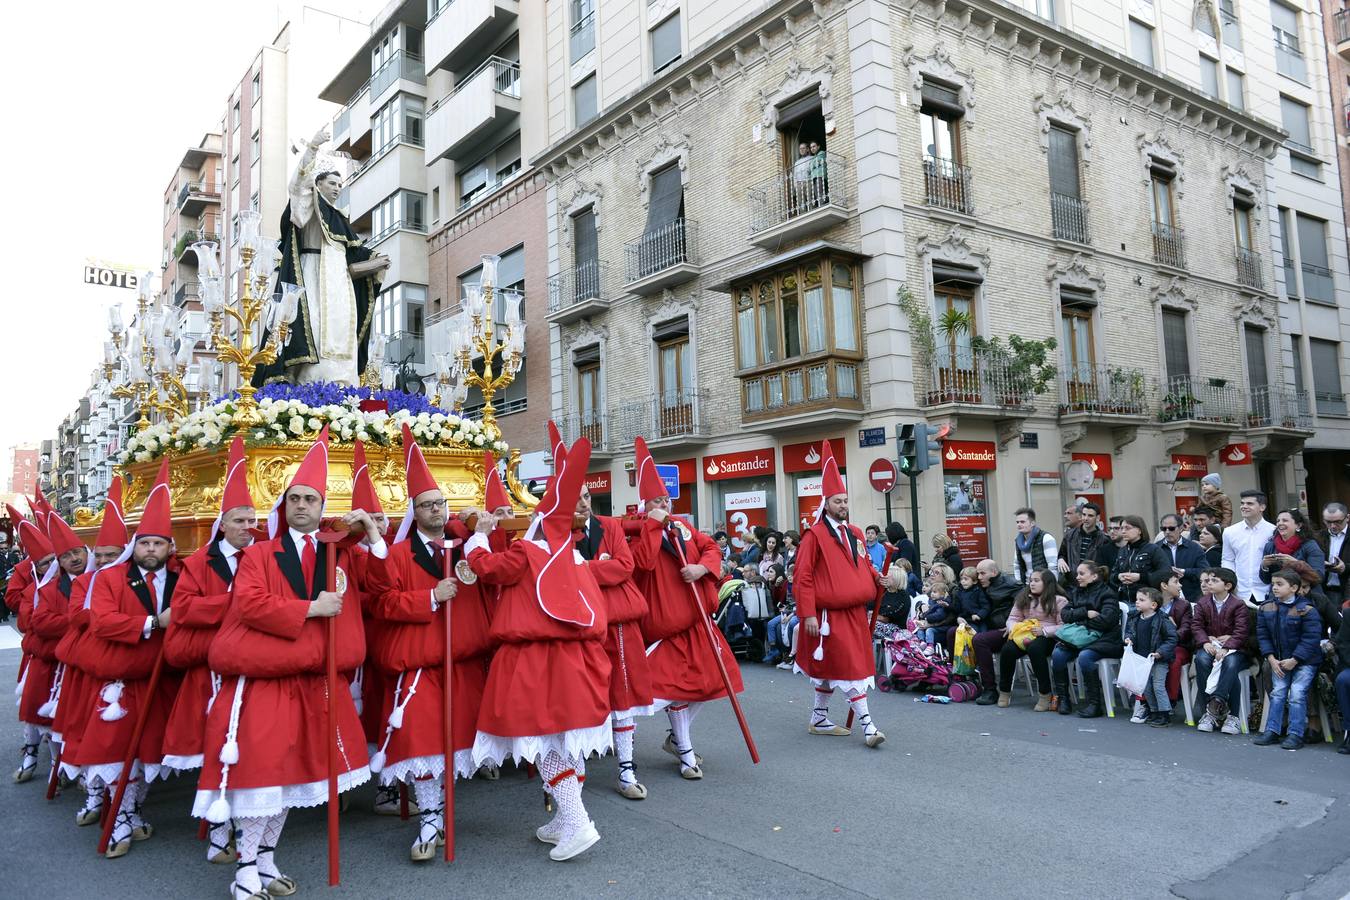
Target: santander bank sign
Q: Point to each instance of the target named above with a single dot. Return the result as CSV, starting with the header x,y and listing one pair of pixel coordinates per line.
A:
x,y
745,464
973,455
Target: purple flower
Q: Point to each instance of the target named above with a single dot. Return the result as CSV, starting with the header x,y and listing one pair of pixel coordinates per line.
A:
x,y
318,394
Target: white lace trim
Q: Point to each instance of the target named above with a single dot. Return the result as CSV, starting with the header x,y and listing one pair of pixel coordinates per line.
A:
x,y
424,766
254,803
183,763
634,711
106,774
865,684
71,772
574,744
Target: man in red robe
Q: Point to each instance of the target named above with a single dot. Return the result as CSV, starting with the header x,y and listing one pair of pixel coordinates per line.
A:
x,y
129,609
676,569
75,690
547,696
200,600
835,582
266,748
21,597
603,545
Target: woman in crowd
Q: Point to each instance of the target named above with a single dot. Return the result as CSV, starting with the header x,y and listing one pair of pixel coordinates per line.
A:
x,y
1210,539
1138,563
901,546
772,556
752,550
1292,542
1093,605
1040,602
947,554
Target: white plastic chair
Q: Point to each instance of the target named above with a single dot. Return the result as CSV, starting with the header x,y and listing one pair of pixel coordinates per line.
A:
x,y
1188,692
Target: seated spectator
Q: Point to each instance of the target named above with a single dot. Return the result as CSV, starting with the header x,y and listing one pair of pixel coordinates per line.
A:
x,y
1150,632
1002,590
1041,602
944,573
1092,604
1342,648
970,601
1219,626
1178,609
1290,634
912,582
1292,542
947,554
1327,609
1210,539
937,617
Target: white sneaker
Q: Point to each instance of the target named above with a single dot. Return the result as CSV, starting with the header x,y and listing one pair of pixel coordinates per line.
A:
x,y
578,844
1140,714
1207,723
550,833
785,666
1231,725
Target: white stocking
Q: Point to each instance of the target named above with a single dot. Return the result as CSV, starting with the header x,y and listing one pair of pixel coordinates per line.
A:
x,y
560,775
429,793
858,699
623,748
219,839
249,838
681,717
267,866
820,716
126,814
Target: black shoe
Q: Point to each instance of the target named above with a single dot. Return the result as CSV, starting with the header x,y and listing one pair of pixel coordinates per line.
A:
x,y
1266,739
1293,742
1090,710
988,697
1160,720
1345,745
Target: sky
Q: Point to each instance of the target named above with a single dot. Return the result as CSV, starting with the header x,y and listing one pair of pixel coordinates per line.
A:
x,y
105,98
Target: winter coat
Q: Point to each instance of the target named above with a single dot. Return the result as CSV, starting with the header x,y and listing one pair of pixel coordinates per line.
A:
x,y
1191,559
1002,591
1144,559
1309,552
1100,597
970,602
1290,630
1207,621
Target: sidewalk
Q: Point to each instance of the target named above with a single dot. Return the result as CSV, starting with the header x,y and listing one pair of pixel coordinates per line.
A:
x,y
9,638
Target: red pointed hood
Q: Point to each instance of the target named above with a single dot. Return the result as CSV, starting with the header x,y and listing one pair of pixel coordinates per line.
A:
x,y
556,582
35,543
157,517
415,465
494,495
236,492
554,442
831,481
42,510
62,536
313,473
363,489
113,531
649,483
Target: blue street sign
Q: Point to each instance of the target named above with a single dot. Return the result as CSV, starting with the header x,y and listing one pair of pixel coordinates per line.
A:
x,y
670,477
871,437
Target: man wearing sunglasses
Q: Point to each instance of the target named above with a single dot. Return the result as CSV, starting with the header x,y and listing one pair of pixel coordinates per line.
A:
x,y
1185,556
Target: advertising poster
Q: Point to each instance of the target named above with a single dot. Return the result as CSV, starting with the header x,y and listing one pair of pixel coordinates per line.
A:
x,y
745,509
967,515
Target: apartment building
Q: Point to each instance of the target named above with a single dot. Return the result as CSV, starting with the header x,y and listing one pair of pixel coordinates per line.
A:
x,y
23,468
438,114
1327,463
773,224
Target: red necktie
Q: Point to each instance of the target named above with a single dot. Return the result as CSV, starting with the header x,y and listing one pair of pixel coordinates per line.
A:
x,y
307,561
154,594
843,536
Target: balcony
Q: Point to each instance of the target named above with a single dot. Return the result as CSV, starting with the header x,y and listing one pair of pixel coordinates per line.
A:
x,y
817,194
1289,59
1169,245
351,128
595,426
947,185
1250,270
463,28
662,258
398,165
194,195
1279,421
668,420
802,394
401,66
1069,219
582,39
577,294
1110,396
1317,284
1341,24
975,383
405,347
186,292
483,103
1208,408
182,250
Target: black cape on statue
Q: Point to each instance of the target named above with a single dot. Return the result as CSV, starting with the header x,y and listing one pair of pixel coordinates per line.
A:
x,y
301,348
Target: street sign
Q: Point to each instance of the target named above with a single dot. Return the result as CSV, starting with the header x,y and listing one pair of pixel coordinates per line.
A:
x,y
871,437
882,474
107,276
670,477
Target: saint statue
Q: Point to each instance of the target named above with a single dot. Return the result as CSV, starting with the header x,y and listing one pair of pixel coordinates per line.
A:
x,y
320,252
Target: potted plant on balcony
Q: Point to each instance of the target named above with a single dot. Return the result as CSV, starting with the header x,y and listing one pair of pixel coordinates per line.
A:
x,y
956,382
1176,406
1127,389
1025,369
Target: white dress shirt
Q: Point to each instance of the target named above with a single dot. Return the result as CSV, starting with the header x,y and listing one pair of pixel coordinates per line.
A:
x,y
1243,547
231,554
158,579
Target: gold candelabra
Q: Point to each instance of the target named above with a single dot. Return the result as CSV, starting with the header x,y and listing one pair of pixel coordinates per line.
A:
x,y
137,386
474,333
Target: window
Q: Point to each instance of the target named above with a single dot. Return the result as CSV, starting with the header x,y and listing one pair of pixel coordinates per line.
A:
x,y
1258,377
1046,10
582,38
940,124
255,90
1296,351
800,311
1326,369
956,297
1288,56
1296,120
255,148
481,178
674,363
400,210
398,120
1312,252
1228,21
1243,205
585,103
663,238
1141,42
1236,89
234,116
1068,212
1204,23
1176,352
1161,177
1209,76
435,206
1287,254
665,43
587,363
1075,316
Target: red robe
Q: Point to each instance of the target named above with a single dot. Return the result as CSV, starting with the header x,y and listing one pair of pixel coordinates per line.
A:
x,y
611,562
74,699
547,677
837,582
199,603
19,599
412,638
281,654
682,663
116,650
46,627
371,688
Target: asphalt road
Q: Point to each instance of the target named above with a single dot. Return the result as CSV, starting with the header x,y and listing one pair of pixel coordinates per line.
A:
x,y
961,801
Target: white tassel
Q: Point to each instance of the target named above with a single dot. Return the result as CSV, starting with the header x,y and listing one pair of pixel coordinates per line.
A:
x,y
396,718
819,653
356,688
113,712
219,810
48,710
377,761
229,754
112,692
824,624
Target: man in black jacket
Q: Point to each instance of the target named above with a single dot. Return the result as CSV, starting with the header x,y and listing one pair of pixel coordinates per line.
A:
x,y
1332,541
1087,542
1002,590
1184,557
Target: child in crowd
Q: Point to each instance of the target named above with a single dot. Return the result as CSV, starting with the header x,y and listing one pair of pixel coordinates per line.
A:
x,y
1153,635
1289,631
971,602
912,582
938,617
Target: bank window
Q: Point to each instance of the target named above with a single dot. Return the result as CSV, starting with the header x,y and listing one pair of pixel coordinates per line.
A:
x,y
798,312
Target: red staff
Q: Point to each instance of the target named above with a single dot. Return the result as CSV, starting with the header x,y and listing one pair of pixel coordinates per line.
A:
x,y
332,539
133,745
449,735
701,613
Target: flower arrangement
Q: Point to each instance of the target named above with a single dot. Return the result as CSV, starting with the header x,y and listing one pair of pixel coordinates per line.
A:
x,y
296,412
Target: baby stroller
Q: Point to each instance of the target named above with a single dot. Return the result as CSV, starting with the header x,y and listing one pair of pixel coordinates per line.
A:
x,y
734,619
914,664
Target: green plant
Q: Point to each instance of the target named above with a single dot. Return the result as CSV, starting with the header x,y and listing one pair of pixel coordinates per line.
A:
x,y
1026,364
921,330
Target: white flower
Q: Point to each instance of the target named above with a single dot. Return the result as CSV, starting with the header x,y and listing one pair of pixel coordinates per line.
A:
x,y
142,456
479,440
423,417
151,444
314,424
297,425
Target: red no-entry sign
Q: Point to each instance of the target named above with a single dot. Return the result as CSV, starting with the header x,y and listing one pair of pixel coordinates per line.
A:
x,y
882,474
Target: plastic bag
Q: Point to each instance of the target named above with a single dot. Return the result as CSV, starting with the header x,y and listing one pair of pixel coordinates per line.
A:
x,y
963,650
1134,672
1023,632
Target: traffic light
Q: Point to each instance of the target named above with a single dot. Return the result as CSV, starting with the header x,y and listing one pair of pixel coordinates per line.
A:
x,y
904,435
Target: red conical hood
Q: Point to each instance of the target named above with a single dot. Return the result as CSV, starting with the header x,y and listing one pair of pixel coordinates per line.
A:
x,y
42,510
313,471
831,482
157,518
554,442
113,531
363,489
236,492
650,485
35,543
415,465
495,496
556,584
62,536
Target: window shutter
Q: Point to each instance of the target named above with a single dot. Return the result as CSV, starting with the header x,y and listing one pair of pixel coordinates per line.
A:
x,y
585,356
473,177
1064,162
1174,344
946,273
675,328
941,99
666,198
587,253
799,108
1076,298
511,268
1257,375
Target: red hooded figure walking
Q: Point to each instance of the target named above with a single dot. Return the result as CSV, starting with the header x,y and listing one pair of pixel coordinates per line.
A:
x,y
21,595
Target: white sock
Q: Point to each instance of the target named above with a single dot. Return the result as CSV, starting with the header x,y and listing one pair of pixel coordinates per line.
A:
x,y
859,701
219,839
624,730
124,821
32,737
560,775
429,793
249,837
93,798
820,715
681,717
267,865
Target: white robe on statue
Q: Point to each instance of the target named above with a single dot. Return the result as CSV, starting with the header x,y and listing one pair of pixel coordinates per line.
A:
x,y
329,298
